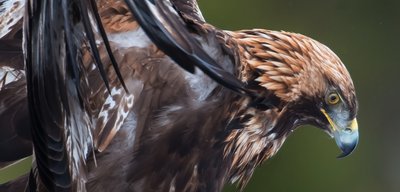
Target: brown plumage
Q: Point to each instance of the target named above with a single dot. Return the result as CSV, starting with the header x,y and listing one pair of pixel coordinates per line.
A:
x,y
288,60
177,131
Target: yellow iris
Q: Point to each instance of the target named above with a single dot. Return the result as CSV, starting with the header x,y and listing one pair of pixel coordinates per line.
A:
x,y
333,99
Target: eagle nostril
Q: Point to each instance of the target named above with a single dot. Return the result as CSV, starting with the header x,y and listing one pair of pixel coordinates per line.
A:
x,y
348,130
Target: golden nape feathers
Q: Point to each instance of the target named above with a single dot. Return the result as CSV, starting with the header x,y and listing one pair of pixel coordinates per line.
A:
x,y
291,64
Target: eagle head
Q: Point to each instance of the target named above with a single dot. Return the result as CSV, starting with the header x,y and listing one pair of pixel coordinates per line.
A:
x,y
310,83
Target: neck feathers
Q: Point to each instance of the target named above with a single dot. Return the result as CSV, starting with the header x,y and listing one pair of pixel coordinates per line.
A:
x,y
251,140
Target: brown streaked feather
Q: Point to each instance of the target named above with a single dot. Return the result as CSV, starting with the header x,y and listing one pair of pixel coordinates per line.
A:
x,y
110,108
159,83
287,60
189,10
116,16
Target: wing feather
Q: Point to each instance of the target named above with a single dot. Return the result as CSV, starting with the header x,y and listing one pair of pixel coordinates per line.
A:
x,y
15,140
11,13
14,121
58,89
169,32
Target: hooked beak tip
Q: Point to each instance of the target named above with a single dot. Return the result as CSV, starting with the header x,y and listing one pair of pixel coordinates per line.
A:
x,y
347,149
347,138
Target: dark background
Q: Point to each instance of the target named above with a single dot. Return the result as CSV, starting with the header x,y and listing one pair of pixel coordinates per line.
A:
x,y
365,34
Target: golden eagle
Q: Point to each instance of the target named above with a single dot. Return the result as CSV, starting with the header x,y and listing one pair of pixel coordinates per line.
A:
x,y
144,95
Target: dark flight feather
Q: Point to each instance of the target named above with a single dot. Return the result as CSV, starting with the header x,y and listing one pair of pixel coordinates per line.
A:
x,y
106,42
167,30
47,95
57,90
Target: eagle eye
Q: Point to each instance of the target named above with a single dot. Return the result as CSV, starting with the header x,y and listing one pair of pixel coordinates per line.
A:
x,y
332,99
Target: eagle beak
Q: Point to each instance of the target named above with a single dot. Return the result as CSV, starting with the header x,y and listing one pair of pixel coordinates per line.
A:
x,y
346,136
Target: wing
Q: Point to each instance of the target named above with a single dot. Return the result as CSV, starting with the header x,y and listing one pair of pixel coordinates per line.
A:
x,y
110,108
55,99
177,28
86,98
165,26
107,118
14,116
85,104
59,91
166,89
107,107
124,31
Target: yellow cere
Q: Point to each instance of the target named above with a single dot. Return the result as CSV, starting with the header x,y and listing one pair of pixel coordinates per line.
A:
x,y
354,124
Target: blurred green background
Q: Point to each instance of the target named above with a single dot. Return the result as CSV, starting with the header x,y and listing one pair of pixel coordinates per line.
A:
x,y
365,34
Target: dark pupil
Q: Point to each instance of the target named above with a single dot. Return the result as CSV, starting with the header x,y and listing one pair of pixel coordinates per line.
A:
x,y
333,98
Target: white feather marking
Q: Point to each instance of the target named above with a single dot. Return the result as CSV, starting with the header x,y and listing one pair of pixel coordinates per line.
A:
x,y
92,67
271,136
8,75
11,12
172,185
265,36
79,143
122,113
200,84
135,38
163,119
109,103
